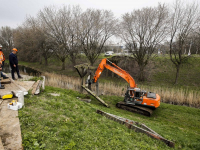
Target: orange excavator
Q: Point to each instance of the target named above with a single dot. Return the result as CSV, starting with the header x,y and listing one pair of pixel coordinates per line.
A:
x,y
135,100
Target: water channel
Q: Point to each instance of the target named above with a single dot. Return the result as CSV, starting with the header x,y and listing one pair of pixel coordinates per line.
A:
x,y
55,80
23,70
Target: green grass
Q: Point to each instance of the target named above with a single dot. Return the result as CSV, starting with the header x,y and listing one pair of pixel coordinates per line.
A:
x,y
64,122
163,73
36,78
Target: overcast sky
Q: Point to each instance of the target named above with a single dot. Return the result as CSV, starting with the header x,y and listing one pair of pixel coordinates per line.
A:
x,y
14,12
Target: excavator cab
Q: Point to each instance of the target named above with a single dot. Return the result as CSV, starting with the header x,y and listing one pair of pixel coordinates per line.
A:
x,y
134,96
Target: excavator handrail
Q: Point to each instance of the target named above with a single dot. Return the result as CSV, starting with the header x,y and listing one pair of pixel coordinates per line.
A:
x,y
122,73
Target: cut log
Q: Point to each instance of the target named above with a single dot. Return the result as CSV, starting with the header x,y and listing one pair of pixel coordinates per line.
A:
x,y
35,85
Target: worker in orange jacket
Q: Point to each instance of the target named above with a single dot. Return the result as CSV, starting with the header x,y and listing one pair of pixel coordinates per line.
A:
x,y
2,62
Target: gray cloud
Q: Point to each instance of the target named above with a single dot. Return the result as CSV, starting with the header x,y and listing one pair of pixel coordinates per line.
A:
x,y
14,12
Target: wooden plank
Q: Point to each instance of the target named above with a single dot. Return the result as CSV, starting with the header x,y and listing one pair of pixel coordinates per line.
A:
x,y
20,87
130,124
5,81
95,96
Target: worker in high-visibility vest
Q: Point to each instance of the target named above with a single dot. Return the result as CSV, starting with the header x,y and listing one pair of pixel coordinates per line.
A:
x,y
1,60
2,75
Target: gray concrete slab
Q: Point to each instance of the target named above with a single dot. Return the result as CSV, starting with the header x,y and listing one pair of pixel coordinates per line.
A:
x,y
10,131
17,85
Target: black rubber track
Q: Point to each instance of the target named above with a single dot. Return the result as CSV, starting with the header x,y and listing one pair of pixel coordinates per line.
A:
x,y
134,108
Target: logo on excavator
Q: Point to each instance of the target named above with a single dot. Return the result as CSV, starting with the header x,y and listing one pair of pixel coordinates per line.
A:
x,y
117,72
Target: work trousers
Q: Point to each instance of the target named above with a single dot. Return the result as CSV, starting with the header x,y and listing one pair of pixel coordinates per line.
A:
x,y
13,69
0,80
2,69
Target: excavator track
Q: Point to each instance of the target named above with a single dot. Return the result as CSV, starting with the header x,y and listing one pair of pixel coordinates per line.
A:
x,y
134,108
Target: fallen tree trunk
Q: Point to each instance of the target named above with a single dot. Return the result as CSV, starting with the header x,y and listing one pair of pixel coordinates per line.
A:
x,y
132,125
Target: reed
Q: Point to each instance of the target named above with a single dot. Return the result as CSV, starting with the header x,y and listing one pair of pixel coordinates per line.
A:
x,y
168,95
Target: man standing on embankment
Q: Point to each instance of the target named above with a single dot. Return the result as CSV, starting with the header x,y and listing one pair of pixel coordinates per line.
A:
x,y
14,64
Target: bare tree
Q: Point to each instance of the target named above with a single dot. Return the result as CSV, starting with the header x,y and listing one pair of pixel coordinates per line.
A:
x,y
32,42
24,41
95,28
73,42
6,39
60,26
183,21
142,30
196,39
54,22
43,43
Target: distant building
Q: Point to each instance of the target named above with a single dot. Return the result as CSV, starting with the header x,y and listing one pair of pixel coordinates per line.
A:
x,y
113,47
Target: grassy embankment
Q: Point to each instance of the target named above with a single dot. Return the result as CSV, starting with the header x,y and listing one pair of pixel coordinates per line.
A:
x,y
64,122
160,77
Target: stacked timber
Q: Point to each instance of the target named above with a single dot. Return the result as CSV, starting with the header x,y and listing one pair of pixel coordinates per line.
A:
x,y
5,81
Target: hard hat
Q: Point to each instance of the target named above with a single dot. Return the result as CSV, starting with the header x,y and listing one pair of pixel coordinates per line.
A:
x,y
14,49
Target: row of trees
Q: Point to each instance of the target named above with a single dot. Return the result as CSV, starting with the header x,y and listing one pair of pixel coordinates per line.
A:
x,y
66,31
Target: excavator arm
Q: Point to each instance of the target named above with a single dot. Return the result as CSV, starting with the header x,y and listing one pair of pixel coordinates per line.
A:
x,y
114,68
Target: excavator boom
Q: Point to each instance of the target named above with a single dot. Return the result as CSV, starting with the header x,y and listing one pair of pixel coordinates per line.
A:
x,y
120,72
